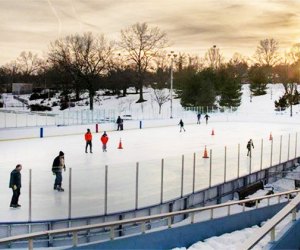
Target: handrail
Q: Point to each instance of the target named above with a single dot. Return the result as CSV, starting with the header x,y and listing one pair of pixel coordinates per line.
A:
x,y
111,225
272,223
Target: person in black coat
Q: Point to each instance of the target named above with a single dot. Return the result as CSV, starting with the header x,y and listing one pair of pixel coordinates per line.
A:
x,y
15,185
206,118
57,167
119,123
249,145
198,118
181,124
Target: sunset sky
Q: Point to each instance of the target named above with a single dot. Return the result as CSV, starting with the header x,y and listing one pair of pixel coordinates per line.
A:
x,y
192,26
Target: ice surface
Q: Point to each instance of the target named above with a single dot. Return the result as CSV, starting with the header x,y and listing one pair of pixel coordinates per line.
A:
x,y
254,120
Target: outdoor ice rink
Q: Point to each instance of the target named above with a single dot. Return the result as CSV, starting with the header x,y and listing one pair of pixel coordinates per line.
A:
x,y
146,146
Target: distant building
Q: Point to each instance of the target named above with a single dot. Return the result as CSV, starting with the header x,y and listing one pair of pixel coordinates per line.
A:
x,y
21,88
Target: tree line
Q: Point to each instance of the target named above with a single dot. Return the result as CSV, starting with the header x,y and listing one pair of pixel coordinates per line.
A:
x,y
89,62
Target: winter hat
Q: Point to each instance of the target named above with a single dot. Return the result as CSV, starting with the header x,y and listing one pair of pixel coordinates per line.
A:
x,y
88,130
61,153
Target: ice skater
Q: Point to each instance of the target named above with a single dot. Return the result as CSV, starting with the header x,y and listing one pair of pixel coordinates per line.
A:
x,y
206,118
198,118
88,140
57,167
15,185
119,123
104,139
181,124
249,145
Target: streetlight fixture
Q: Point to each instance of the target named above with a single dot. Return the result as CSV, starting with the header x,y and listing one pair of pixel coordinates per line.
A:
x,y
172,56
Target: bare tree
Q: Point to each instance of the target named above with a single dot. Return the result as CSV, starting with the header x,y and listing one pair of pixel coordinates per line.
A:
x,y
160,96
294,54
266,53
287,75
141,45
86,57
28,64
214,58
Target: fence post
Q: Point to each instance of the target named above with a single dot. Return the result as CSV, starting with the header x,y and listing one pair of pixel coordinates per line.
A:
x,y
238,170
41,132
162,182
296,145
97,127
210,164
261,153
289,142
30,196
70,193
250,161
271,157
137,186
182,175
280,149
140,124
225,164
194,171
105,190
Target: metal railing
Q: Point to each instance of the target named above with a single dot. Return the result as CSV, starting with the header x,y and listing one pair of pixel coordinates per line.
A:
x,y
143,220
24,118
270,225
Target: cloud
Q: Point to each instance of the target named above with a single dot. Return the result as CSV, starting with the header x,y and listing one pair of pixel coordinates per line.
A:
x,y
191,25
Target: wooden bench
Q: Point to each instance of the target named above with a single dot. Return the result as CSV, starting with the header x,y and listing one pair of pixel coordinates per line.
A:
x,y
244,192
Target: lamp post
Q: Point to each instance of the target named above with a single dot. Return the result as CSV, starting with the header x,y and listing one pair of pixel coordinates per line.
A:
x,y
172,56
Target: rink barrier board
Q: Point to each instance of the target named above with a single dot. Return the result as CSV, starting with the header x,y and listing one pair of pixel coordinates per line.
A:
x,y
289,238
210,196
187,235
58,131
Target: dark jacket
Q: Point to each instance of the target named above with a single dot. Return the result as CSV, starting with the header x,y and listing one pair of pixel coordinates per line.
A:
x,y
119,120
57,165
15,179
249,144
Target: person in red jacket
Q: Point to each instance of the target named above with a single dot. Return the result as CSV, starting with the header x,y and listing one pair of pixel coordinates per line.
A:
x,y
104,140
88,139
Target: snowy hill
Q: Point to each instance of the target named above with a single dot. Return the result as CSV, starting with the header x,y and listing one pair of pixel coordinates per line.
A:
x,y
255,105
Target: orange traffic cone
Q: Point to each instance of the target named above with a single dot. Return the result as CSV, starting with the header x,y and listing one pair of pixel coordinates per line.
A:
x,y
120,145
271,137
205,153
213,132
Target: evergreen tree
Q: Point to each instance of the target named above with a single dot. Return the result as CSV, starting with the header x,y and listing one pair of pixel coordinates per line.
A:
x,y
199,89
230,88
258,76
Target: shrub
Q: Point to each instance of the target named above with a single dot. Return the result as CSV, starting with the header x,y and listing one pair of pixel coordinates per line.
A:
x,y
54,104
64,105
282,103
34,96
37,107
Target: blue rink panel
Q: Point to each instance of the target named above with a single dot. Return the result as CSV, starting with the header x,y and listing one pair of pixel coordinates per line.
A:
x,y
289,239
187,235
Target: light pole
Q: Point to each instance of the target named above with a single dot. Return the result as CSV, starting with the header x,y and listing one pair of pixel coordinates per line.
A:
x,y
215,56
172,56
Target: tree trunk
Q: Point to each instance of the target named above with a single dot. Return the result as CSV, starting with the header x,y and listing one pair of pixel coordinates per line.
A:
x,y
291,110
77,93
91,96
141,99
159,109
124,91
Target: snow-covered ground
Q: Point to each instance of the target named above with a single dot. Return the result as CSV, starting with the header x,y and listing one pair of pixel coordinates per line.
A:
x,y
235,240
256,120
